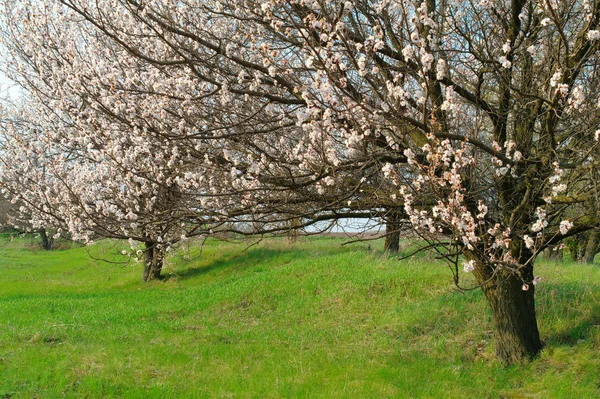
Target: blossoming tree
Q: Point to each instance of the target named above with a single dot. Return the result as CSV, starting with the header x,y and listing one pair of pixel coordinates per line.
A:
x,y
495,106
482,117
101,148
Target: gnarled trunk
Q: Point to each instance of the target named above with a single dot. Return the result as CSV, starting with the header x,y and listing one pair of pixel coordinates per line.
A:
x,y
392,232
153,261
591,248
516,333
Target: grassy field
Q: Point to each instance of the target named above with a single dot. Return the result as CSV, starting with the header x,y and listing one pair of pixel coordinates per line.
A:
x,y
313,319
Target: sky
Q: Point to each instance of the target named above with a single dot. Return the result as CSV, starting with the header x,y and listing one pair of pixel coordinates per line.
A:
x,y
8,88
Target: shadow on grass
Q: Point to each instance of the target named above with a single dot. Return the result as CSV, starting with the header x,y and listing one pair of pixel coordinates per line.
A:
x,y
564,302
581,331
256,258
260,258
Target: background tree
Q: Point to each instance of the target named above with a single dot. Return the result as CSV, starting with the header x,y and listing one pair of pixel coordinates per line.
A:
x,y
97,156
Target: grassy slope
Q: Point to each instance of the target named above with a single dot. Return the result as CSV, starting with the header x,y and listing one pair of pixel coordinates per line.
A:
x,y
308,320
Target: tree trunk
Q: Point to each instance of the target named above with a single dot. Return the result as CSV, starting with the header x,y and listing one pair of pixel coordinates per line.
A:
x,y
557,254
591,249
294,229
153,261
516,333
46,240
392,233
553,253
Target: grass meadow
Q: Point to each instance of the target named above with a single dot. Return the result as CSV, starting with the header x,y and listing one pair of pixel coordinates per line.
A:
x,y
310,319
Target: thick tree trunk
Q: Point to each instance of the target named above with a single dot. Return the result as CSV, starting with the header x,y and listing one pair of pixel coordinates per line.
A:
x,y
591,249
153,261
392,233
47,241
516,332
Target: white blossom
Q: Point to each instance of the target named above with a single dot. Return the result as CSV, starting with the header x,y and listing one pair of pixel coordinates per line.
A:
x,y
593,35
441,69
556,78
469,266
565,226
528,241
505,62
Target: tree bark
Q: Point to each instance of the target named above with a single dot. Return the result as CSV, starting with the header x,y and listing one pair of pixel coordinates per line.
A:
x,y
392,233
516,333
294,229
153,261
591,249
47,241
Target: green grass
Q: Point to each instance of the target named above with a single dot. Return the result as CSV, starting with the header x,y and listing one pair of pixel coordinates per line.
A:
x,y
313,319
